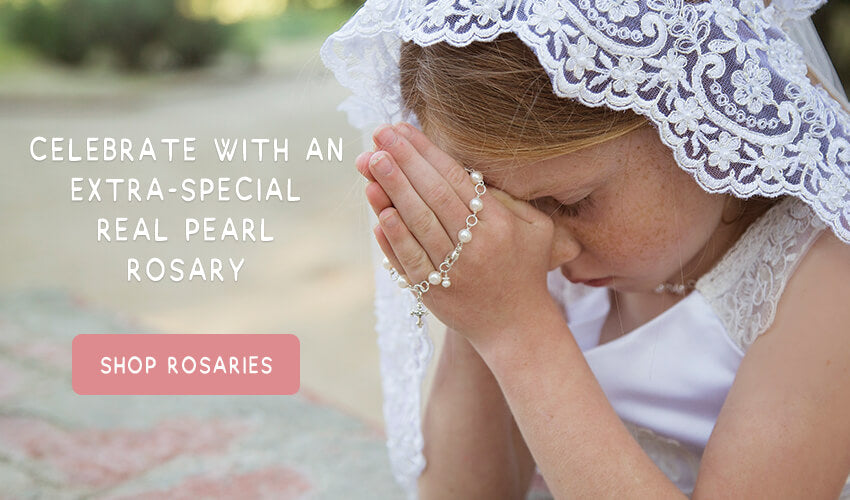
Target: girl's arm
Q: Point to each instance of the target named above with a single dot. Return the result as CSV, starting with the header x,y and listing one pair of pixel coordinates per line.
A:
x,y
783,432
472,445
579,443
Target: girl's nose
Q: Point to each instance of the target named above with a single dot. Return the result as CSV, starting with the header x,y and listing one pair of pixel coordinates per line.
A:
x,y
565,247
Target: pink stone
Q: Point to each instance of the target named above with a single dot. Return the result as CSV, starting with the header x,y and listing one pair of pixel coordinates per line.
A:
x,y
105,457
280,483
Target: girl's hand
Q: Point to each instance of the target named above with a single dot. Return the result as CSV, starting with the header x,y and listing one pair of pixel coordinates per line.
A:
x,y
421,196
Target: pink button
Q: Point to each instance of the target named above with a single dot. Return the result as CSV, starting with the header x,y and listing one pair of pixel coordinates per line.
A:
x,y
185,364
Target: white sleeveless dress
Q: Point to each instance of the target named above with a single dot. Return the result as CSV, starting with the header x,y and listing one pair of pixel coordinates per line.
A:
x,y
668,378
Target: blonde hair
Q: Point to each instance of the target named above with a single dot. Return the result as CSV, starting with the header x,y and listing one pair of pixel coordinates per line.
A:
x,y
493,100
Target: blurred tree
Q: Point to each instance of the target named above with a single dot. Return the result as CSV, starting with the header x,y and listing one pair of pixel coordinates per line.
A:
x,y
69,30
194,42
41,26
126,27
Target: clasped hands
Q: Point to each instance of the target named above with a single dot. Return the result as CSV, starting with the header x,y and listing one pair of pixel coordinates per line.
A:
x,y
421,196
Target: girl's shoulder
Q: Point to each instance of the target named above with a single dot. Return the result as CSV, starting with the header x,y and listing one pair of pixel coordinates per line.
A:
x,y
814,308
828,247
745,288
791,393
821,283
819,286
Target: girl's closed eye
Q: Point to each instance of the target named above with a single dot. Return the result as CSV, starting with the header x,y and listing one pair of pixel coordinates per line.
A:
x,y
554,208
575,209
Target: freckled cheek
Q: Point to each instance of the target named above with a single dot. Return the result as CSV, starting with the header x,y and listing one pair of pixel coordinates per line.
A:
x,y
629,240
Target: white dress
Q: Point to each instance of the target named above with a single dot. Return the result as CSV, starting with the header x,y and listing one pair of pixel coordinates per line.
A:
x,y
668,378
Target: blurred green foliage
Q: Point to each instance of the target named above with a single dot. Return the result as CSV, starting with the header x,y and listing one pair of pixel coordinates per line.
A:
x,y
300,22
135,34
152,34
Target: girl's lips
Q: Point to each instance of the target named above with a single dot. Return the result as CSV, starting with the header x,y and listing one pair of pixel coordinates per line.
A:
x,y
594,282
597,282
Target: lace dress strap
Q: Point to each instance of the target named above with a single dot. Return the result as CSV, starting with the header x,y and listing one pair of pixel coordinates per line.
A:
x,y
745,286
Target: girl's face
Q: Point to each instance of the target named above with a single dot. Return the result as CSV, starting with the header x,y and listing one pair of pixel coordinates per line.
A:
x,y
625,214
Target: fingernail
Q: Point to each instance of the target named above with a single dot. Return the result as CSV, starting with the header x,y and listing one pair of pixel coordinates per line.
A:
x,y
386,136
380,164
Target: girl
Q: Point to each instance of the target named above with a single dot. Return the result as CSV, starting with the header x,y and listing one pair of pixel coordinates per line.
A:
x,y
645,299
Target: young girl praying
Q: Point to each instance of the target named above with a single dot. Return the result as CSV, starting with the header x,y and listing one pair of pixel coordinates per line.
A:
x,y
634,219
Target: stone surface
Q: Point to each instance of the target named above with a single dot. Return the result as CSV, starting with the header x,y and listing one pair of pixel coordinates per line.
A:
x,y
57,444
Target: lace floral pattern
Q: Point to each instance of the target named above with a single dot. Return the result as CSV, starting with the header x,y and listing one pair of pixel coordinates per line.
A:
x,y
405,353
745,287
722,82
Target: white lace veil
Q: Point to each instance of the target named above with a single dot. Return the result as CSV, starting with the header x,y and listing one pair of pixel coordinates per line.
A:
x,y
722,81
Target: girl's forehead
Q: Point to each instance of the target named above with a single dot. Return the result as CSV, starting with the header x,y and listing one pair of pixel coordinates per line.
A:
x,y
580,169
563,175
575,171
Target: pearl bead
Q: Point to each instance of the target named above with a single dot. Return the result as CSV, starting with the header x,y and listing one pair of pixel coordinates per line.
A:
x,y
434,278
402,282
464,235
476,176
446,283
476,204
386,263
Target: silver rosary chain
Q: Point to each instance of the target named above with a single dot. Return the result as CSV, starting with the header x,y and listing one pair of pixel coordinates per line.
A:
x,y
441,276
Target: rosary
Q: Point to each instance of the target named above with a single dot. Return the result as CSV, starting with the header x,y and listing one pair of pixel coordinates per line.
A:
x,y
441,276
